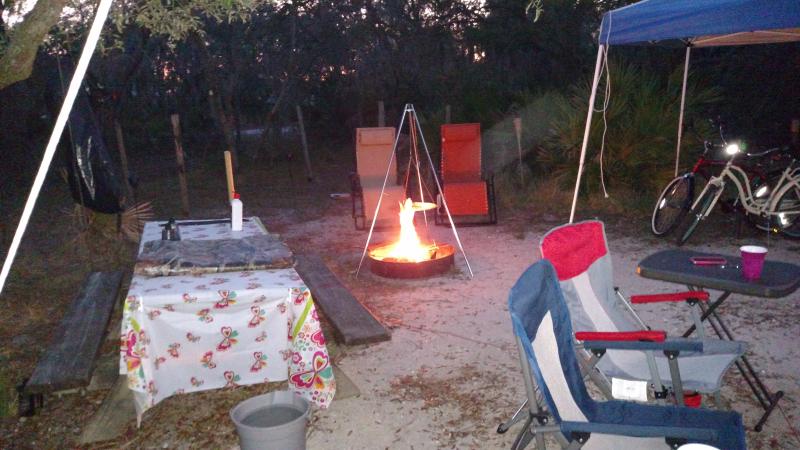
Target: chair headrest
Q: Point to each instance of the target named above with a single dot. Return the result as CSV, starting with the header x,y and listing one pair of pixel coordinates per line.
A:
x,y
375,136
572,248
456,132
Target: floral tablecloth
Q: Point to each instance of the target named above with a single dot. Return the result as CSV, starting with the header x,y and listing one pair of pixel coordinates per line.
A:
x,y
190,333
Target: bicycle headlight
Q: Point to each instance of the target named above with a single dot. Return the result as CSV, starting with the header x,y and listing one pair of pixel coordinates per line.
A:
x,y
732,149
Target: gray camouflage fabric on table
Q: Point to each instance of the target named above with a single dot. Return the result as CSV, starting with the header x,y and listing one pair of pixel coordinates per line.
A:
x,y
166,258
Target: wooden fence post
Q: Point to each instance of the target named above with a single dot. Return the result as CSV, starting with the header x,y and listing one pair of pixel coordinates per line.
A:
x,y
518,132
176,131
229,174
304,141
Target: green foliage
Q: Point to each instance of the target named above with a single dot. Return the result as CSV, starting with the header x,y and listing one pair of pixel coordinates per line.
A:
x,y
178,19
641,119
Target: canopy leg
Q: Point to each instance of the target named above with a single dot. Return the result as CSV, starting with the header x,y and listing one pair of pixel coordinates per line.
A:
x,y
683,103
586,131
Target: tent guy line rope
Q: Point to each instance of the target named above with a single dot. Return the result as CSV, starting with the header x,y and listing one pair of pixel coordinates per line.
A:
x,y
55,137
606,101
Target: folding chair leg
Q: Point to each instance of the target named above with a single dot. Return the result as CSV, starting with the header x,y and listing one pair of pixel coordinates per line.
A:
x,y
491,200
658,385
698,324
575,445
588,371
525,436
674,371
533,431
518,415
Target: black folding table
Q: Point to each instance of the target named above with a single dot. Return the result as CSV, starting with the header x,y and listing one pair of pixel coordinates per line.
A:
x,y
778,279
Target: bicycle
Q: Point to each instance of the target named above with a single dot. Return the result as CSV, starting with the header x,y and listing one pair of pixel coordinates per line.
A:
x,y
780,206
676,199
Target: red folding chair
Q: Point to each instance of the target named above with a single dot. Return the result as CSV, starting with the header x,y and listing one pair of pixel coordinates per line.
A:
x,y
468,194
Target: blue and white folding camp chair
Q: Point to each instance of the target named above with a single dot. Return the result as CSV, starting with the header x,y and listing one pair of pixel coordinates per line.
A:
x,y
544,336
579,253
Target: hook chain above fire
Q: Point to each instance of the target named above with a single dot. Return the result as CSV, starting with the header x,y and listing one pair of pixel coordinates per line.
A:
x,y
408,248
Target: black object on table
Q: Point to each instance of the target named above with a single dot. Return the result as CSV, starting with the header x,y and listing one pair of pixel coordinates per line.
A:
x,y
778,279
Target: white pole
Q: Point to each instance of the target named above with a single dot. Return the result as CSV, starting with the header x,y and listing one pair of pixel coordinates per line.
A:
x,y
58,129
683,102
586,131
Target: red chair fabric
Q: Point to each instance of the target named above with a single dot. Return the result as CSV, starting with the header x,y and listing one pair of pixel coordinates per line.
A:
x,y
461,152
572,249
466,199
465,191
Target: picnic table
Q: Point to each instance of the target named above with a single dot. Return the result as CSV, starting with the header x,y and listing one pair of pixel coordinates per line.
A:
x,y
209,329
778,279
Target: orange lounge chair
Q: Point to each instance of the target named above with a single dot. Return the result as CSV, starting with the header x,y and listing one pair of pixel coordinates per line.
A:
x,y
469,196
374,150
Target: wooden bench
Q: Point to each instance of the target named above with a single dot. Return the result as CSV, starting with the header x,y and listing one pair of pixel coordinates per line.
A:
x,y
69,360
352,323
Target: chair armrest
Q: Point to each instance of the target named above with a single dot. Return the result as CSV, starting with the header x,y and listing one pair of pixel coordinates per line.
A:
x,y
632,340
643,335
672,297
702,434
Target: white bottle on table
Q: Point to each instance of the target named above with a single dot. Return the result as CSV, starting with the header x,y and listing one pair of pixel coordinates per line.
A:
x,y
236,213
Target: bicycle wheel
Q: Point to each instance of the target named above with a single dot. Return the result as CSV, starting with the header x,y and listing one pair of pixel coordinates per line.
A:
x,y
763,223
695,215
789,224
672,205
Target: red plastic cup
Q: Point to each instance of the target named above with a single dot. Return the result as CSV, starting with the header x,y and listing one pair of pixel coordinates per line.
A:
x,y
752,261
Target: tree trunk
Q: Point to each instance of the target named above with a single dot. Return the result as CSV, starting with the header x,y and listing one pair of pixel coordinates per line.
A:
x,y
16,64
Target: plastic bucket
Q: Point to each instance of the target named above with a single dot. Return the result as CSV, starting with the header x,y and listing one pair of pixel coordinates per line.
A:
x,y
276,420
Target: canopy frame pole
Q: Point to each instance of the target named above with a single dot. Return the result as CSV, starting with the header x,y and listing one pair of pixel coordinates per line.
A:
x,y
683,103
595,82
58,129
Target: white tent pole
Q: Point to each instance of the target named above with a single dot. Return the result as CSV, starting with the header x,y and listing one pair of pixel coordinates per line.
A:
x,y
595,82
683,102
58,129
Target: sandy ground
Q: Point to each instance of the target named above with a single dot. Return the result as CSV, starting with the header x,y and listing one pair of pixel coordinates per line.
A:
x,y
450,373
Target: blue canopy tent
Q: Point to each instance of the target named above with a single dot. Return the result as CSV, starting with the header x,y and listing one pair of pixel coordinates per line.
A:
x,y
690,23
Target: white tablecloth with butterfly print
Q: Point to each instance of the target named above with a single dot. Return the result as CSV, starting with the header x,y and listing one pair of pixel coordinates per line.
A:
x,y
191,333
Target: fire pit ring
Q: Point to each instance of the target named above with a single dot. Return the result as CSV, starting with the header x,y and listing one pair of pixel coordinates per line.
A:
x,y
440,262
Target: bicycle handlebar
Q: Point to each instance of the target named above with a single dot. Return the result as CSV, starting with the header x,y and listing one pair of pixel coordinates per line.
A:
x,y
764,153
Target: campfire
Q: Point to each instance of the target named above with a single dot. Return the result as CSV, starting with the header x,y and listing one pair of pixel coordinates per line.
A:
x,y
409,256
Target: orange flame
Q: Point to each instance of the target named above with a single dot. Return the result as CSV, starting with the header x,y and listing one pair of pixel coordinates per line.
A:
x,y
408,247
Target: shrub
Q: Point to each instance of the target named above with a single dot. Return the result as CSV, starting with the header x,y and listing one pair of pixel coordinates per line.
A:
x,y
641,120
